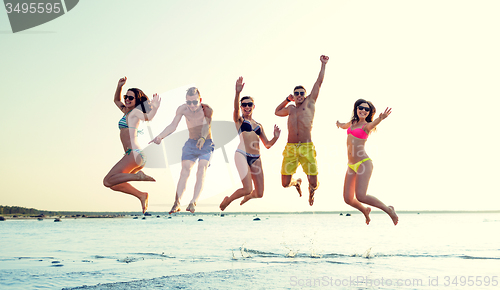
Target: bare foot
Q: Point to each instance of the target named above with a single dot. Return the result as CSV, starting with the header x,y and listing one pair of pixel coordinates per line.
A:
x,y
367,214
393,215
224,203
311,194
298,182
175,208
143,177
144,202
191,207
245,199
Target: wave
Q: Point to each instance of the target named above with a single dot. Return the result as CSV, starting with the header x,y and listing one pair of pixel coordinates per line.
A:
x,y
240,278
155,255
251,253
134,257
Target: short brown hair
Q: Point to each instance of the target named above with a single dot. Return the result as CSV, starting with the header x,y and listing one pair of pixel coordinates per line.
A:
x,y
193,91
299,87
246,98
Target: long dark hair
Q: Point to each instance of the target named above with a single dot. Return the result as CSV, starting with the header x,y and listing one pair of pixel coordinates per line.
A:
x,y
355,117
141,100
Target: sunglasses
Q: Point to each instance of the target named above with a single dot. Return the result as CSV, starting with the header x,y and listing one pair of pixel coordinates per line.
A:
x,y
298,93
192,102
125,97
249,104
361,108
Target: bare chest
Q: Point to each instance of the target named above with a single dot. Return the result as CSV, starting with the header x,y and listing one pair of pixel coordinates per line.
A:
x,y
194,119
303,114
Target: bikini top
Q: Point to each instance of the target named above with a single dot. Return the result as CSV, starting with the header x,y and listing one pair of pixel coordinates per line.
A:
x,y
358,132
122,124
246,126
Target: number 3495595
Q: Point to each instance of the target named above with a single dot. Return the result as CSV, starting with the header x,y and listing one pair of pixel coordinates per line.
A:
x,y
33,8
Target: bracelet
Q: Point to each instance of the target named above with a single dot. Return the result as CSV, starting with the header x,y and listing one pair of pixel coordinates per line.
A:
x,y
204,139
287,100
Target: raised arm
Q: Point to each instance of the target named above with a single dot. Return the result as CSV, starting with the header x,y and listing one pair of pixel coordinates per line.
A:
x,y
370,126
170,128
118,94
269,143
239,87
282,110
315,90
343,125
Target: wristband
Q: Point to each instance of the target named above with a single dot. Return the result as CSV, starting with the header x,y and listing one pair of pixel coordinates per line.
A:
x,y
287,100
203,138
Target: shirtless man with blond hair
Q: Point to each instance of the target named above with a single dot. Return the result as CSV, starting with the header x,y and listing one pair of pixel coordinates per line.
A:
x,y
300,148
198,146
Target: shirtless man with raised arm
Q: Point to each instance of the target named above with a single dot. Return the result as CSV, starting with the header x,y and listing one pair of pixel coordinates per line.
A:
x,y
198,146
300,148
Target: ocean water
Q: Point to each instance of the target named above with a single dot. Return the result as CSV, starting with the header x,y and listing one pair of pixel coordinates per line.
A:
x,y
281,251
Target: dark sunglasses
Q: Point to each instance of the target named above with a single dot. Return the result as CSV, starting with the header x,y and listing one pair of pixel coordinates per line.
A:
x,y
298,93
125,97
192,102
249,104
361,108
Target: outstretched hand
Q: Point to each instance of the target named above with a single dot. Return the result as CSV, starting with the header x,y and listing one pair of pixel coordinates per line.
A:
x,y
324,59
338,124
239,84
277,131
385,114
156,140
122,81
156,101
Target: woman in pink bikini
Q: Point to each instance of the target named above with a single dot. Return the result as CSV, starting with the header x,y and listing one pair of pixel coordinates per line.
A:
x,y
360,166
136,107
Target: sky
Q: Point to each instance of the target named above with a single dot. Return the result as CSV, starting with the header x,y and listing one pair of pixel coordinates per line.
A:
x,y
435,63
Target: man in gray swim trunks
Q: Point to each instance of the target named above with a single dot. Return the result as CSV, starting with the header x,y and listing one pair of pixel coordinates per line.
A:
x,y
198,146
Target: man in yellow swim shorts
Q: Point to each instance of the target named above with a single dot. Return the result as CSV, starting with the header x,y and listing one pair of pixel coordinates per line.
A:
x,y
300,148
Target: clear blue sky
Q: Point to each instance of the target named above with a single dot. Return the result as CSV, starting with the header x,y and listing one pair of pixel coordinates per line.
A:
x,y
436,63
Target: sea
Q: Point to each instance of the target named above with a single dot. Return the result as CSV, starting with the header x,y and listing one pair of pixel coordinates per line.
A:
x,y
253,251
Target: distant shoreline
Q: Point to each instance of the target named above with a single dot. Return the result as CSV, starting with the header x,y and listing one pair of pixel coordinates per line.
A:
x,y
85,215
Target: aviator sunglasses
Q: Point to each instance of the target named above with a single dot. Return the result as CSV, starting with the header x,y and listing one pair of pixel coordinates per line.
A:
x,y
361,108
249,104
298,93
125,97
192,102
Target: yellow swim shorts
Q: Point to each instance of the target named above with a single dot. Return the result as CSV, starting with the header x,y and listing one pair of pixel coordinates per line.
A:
x,y
303,153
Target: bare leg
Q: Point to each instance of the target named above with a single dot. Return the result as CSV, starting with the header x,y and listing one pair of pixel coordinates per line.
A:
x,y
313,185
127,188
123,172
287,181
349,198
246,180
363,178
181,185
258,181
198,187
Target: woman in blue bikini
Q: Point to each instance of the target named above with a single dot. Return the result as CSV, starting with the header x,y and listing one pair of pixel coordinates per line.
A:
x,y
137,107
247,156
360,166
